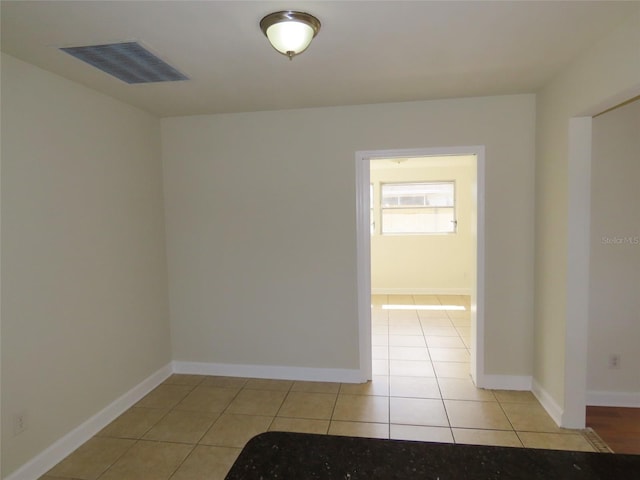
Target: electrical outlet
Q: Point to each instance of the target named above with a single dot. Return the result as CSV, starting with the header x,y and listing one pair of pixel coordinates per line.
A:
x,y
19,423
614,360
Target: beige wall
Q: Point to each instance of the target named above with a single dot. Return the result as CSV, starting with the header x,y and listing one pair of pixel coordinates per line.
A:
x,y
425,263
84,285
604,72
261,226
614,303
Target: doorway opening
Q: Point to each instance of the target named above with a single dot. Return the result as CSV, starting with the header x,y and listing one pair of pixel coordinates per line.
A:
x,y
421,222
579,266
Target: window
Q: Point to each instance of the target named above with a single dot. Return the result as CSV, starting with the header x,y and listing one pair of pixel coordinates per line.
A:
x,y
418,208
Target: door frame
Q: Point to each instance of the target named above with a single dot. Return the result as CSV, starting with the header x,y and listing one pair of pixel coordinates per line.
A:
x,y
363,252
573,412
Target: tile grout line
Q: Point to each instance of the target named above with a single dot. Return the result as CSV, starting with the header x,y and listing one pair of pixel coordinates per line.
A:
x,y
333,410
284,399
193,446
437,378
136,441
222,412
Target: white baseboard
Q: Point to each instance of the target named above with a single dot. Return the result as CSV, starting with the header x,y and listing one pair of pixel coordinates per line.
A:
x,y
505,382
270,371
52,455
548,403
613,399
421,291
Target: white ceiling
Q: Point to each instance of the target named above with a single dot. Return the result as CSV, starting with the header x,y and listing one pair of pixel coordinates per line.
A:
x,y
365,52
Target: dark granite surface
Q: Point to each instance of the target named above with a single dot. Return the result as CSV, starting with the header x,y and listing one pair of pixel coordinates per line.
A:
x,y
278,455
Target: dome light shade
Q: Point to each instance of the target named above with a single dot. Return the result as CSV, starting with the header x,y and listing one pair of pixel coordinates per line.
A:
x,y
290,33
290,36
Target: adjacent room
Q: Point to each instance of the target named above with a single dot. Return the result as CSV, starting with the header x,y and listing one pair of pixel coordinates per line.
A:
x,y
418,224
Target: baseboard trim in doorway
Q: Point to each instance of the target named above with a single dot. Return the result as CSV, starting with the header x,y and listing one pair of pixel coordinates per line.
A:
x,y
61,448
549,404
275,372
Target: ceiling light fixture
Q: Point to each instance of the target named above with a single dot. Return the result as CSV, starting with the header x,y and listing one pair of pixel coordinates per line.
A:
x,y
290,32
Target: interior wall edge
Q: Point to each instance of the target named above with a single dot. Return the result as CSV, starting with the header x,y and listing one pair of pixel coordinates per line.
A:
x,y
549,404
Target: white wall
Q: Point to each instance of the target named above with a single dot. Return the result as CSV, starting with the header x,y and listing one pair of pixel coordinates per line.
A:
x,y
614,303
84,282
425,263
261,226
608,71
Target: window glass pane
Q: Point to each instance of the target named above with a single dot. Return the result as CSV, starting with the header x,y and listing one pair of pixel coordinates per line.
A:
x,y
414,208
418,195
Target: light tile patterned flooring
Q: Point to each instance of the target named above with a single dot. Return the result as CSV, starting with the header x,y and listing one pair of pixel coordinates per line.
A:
x,y
193,427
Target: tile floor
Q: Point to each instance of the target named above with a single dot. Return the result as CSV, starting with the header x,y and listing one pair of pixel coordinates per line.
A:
x,y
193,427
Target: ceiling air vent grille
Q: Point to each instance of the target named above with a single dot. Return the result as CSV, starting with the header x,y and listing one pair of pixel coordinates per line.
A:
x,y
129,61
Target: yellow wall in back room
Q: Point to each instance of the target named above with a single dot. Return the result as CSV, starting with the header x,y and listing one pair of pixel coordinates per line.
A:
x,y
425,264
